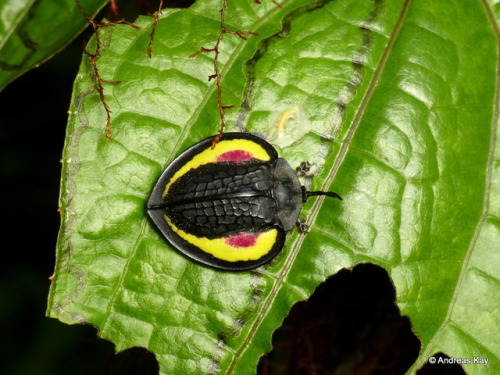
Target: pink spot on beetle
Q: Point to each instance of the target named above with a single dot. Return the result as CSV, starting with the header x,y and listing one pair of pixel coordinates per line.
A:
x,y
242,240
234,156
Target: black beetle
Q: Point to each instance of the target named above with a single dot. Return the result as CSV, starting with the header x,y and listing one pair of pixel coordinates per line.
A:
x,y
229,207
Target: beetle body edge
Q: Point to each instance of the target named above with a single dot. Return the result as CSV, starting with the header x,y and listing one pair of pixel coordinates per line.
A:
x,y
228,207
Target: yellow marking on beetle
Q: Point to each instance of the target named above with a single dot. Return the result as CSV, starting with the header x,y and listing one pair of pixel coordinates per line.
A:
x,y
210,155
221,250
285,116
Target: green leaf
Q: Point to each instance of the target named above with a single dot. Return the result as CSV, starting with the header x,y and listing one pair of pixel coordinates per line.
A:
x,y
394,103
32,31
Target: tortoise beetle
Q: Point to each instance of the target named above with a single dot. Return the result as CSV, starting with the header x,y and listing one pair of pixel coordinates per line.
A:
x,y
229,207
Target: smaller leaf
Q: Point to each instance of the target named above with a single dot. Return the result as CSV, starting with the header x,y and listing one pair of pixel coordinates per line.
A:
x,y
31,32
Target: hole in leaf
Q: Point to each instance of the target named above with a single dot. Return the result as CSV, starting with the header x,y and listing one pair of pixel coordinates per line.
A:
x,y
350,325
136,361
85,353
441,367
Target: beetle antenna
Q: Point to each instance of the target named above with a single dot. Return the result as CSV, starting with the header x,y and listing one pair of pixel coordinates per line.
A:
x,y
327,193
306,194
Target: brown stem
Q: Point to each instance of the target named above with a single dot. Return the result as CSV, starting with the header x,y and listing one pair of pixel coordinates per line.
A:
x,y
95,55
153,29
217,74
274,1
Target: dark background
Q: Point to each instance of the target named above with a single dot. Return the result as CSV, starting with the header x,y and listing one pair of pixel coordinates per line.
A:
x,y
350,325
32,127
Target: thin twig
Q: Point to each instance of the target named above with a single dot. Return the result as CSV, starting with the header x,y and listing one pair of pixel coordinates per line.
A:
x,y
114,7
217,75
93,60
153,29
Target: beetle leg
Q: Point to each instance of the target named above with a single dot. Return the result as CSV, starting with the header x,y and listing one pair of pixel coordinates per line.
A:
x,y
303,168
301,224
